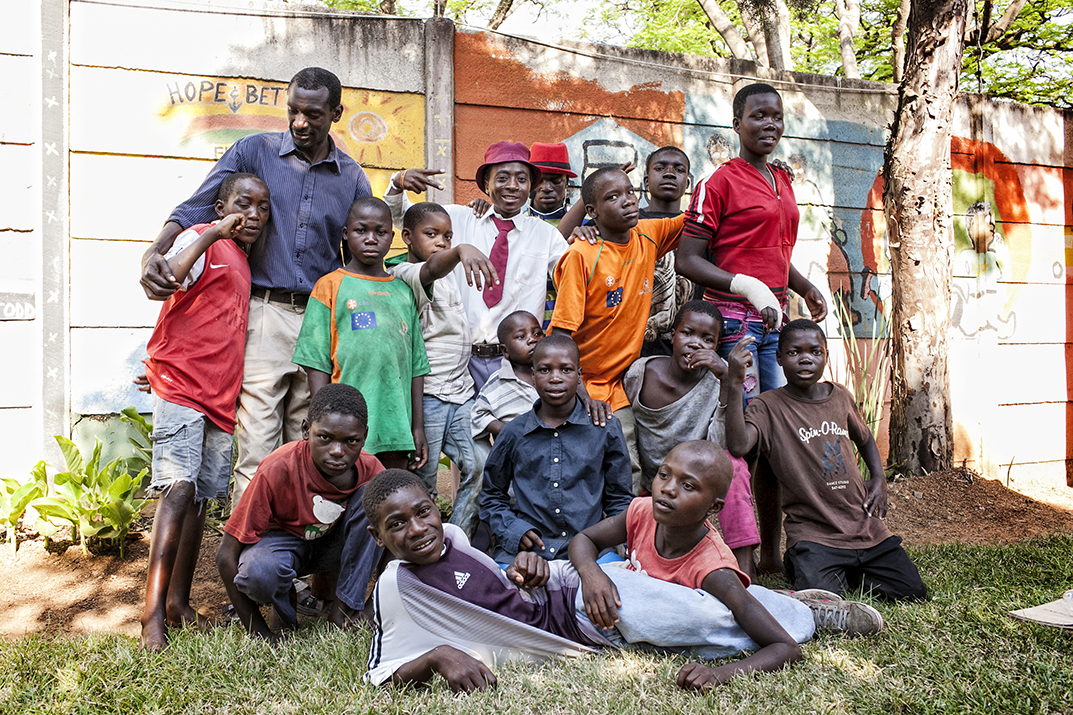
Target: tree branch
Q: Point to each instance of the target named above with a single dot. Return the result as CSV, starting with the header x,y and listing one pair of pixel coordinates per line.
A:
x,y
897,41
726,29
849,22
503,10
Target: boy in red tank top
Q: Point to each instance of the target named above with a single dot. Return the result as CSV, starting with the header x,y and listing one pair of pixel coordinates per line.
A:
x,y
195,371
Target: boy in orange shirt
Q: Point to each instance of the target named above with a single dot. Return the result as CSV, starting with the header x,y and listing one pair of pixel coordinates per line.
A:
x,y
605,291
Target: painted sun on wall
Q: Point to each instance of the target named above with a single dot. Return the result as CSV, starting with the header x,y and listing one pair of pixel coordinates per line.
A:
x,y
377,129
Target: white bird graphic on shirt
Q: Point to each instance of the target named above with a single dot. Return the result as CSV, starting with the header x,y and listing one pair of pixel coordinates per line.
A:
x,y
326,511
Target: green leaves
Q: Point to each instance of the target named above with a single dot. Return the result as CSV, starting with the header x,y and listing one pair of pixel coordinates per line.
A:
x,y
143,446
14,498
96,502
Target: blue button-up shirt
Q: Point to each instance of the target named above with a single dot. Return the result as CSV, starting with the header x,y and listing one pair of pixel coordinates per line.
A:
x,y
565,479
309,208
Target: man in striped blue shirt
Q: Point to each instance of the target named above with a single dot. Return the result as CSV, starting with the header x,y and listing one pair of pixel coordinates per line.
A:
x,y
312,184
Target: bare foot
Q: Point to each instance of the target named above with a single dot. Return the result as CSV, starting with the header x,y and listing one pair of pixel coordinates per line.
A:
x,y
187,617
347,618
154,635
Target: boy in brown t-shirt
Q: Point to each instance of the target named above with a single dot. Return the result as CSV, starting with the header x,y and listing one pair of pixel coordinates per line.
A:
x,y
835,535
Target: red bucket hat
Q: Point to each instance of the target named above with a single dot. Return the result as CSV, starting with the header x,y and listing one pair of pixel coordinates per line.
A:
x,y
502,153
552,159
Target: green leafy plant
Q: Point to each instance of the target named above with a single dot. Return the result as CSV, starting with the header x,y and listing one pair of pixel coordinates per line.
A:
x,y
143,445
867,368
96,502
14,498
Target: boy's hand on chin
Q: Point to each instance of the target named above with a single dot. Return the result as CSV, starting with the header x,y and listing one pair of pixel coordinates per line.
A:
x,y
708,359
529,570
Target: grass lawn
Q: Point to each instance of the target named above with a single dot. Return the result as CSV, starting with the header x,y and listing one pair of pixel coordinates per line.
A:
x,y
958,653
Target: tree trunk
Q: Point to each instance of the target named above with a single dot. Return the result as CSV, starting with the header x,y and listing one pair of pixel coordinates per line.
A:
x,y
726,29
897,41
918,207
503,11
773,18
849,21
754,29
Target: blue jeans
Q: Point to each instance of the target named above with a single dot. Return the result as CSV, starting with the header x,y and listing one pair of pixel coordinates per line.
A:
x,y
662,616
267,569
447,429
765,373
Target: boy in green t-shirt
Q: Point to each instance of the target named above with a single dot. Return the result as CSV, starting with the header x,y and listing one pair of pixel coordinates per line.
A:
x,y
361,328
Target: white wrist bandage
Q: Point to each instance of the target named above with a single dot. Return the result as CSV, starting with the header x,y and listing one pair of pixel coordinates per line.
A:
x,y
754,291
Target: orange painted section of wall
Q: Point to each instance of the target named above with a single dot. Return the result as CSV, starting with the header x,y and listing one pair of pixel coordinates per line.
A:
x,y
499,98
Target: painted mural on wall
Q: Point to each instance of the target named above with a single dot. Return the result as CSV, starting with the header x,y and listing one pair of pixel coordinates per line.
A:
x,y
991,214
377,129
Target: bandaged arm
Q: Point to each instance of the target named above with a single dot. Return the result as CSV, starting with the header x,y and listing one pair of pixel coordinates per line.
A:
x,y
754,291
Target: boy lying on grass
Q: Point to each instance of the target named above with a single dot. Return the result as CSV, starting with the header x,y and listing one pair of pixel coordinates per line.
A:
x,y
445,607
669,538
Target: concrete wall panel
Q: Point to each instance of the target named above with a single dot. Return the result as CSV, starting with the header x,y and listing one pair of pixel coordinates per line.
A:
x,y
17,96
111,197
20,204
376,53
22,440
103,363
104,285
19,362
21,28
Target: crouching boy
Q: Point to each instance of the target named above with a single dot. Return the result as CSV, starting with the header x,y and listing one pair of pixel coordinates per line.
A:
x,y
302,514
445,607
835,536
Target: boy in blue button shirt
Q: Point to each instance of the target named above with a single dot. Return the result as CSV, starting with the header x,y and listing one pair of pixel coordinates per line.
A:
x,y
567,473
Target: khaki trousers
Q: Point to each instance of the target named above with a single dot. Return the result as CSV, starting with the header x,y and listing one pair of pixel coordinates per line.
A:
x,y
275,393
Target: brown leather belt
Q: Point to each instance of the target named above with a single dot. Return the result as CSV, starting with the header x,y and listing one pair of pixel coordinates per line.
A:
x,y
487,350
278,296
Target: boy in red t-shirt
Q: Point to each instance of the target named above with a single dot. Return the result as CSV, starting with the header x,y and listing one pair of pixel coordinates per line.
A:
x,y
302,514
195,371
668,537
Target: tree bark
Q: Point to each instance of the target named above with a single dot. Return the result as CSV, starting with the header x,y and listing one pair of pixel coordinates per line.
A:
x,y
897,41
849,21
726,29
755,30
502,12
918,207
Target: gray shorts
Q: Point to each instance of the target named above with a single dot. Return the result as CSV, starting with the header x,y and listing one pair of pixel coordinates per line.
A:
x,y
188,447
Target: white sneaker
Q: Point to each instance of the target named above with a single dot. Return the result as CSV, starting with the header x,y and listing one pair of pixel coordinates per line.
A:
x,y
849,617
814,594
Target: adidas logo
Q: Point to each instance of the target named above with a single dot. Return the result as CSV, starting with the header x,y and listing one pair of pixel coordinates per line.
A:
x,y
460,579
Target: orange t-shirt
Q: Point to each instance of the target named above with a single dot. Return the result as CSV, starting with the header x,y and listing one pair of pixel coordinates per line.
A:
x,y
605,296
690,570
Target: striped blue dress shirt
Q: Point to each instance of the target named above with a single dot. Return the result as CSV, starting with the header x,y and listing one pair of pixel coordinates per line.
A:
x,y
309,208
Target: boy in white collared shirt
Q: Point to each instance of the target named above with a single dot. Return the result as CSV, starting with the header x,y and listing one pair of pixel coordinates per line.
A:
x,y
532,247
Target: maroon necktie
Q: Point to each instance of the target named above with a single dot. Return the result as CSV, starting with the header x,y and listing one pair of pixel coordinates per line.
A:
x,y
494,292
